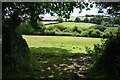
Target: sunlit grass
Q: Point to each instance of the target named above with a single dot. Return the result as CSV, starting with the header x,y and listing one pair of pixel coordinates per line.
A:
x,y
72,44
72,24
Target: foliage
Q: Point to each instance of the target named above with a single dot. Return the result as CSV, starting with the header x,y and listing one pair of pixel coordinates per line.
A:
x,y
85,33
90,31
115,8
98,19
107,24
77,19
14,13
39,29
116,20
99,27
49,32
92,20
68,29
60,27
110,32
60,19
95,33
24,28
109,65
79,30
86,20
88,15
95,52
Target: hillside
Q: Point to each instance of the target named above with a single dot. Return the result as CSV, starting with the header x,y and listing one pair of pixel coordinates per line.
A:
x,y
72,24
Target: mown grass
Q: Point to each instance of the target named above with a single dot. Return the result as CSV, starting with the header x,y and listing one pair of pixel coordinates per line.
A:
x,y
73,24
72,44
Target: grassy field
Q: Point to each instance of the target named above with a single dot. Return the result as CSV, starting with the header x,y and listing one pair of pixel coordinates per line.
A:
x,y
54,61
50,43
59,56
72,24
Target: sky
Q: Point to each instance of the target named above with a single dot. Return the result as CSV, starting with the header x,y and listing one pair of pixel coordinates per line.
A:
x,y
93,11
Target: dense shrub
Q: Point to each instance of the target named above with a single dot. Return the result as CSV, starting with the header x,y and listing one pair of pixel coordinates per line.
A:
x,y
108,63
85,34
77,19
92,20
24,28
67,30
74,29
104,59
90,31
86,20
50,28
111,29
97,19
99,27
107,24
95,33
49,32
60,19
79,30
41,28
95,52
109,32
116,20
60,27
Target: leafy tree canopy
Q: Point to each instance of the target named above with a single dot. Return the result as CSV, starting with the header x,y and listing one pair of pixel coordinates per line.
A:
x,y
113,8
16,12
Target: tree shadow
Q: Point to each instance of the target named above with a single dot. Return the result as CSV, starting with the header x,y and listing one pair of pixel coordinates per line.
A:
x,y
57,63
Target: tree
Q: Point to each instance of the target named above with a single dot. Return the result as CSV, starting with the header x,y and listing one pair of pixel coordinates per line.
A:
x,y
112,7
14,13
60,19
87,15
86,20
109,62
77,19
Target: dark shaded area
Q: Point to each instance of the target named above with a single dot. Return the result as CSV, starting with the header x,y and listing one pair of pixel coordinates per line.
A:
x,y
57,64
111,64
108,65
61,65
12,49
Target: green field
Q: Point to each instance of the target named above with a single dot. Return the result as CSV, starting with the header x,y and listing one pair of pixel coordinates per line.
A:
x,y
72,24
50,43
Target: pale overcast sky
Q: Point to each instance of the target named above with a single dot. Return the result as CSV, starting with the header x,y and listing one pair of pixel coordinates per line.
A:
x,y
93,11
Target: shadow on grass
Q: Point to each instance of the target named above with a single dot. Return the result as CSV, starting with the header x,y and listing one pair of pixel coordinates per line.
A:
x,y
50,51
58,63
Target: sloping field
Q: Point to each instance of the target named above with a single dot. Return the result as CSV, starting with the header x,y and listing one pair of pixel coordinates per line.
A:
x,y
72,24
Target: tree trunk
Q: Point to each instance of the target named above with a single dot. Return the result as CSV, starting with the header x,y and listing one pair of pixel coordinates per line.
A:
x,y
14,48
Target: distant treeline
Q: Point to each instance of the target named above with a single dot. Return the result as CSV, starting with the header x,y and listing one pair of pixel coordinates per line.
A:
x,y
96,19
